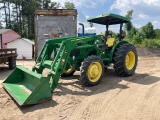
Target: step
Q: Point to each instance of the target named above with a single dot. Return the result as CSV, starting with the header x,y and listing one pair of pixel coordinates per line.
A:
x,y
47,64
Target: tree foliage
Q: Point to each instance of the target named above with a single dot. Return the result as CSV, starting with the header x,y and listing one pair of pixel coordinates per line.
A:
x,y
149,30
128,26
132,32
46,4
157,32
1,25
55,5
145,36
19,14
69,5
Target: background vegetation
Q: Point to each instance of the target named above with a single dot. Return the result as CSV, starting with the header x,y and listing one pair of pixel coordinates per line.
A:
x,y
146,36
19,14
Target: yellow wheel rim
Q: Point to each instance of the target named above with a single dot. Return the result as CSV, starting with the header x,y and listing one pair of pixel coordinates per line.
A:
x,y
68,71
94,71
130,60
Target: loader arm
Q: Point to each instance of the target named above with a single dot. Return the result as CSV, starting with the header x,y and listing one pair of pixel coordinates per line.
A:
x,y
31,87
62,56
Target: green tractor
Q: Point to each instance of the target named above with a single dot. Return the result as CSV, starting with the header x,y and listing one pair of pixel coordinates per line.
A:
x,y
90,55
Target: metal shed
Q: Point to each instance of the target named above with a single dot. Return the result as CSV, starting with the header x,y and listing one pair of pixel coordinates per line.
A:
x,y
54,23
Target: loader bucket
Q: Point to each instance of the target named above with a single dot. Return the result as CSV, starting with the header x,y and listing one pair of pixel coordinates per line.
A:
x,y
27,87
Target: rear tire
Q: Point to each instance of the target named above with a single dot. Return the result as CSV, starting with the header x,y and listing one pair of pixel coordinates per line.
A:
x,y
12,63
125,60
91,71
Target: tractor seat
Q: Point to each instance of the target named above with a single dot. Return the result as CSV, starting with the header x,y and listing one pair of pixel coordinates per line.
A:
x,y
110,42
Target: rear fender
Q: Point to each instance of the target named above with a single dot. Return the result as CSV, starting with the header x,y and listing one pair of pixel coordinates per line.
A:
x,y
114,48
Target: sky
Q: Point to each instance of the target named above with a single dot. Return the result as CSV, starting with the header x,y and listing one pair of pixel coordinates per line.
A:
x,y
144,11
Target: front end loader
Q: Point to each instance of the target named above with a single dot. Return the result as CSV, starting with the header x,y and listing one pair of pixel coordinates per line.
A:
x,y
90,55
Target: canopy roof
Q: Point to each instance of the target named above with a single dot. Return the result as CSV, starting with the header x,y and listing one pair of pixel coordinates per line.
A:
x,y
109,19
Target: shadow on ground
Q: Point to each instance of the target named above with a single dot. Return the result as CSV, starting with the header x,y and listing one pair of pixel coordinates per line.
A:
x,y
4,72
110,81
72,86
31,108
5,97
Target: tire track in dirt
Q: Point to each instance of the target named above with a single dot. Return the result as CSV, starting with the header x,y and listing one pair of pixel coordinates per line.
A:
x,y
67,107
98,101
100,107
4,97
118,103
133,98
92,103
151,104
138,95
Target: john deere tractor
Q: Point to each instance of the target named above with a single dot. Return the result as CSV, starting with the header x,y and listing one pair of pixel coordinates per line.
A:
x,y
90,55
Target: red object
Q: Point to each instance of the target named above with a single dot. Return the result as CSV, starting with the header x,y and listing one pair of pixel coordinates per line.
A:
x,y
23,57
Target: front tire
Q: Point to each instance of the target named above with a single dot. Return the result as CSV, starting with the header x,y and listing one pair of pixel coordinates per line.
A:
x,y
91,71
125,60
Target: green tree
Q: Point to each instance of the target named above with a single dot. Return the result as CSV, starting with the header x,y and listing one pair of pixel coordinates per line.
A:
x,y
14,25
157,32
137,39
149,31
16,15
55,5
1,25
113,34
69,5
28,11
20,16
46,4
128,26
4,8
132,32
9,12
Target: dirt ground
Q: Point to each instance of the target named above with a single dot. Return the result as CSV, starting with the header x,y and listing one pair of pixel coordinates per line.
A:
x,y
115,98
